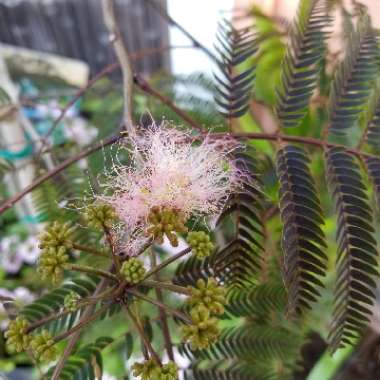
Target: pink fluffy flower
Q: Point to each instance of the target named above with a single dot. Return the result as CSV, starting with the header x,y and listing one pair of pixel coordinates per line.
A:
x,y
170,169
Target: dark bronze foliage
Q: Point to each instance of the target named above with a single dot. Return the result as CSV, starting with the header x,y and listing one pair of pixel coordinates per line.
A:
x,y
357,253
303,240
234,88
301,63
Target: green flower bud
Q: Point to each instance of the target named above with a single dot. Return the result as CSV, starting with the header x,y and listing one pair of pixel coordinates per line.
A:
x,y
17,338
209,295
100,216
70,302
133,270
166,221
150,370
51,264
43,348
57,235
200,243
203,331
168,371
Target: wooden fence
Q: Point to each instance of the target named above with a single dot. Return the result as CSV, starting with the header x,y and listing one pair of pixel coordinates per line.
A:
x,y
75,28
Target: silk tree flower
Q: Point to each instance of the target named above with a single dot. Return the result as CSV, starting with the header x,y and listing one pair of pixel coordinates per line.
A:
x,y
173,172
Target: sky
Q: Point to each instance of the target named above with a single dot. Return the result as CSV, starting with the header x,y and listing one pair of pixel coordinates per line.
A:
x,y
200,18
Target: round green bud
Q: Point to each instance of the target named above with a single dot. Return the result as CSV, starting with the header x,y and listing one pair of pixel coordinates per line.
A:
x,y
100,215
150,370
51,264
168,371
200,243
70,302
18,339
209,295
133,270
57,235
165,221
203,331
145,370
43,348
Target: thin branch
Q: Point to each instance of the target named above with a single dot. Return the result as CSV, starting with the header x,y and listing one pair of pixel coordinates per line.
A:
x,y
73,340
122,56
90,270
174,23
115,258
82,323
167,286
161,307
106,71
145,340
91,250
144,86
100,145
162,311
111,140
166,262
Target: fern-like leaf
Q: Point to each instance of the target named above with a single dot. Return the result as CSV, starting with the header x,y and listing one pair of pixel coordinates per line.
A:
x,y
53,301
301,67
357,253
352,82
303,240
259,303
262,342
237,262
234,88
372,131
373,167
192,269
86,363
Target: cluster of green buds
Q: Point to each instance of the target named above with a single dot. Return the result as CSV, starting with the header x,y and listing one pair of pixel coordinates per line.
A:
x,y
166,221
51,264
150,370
70,302
56,236
18,339
55,242
203,331
43,348
200,243
100,215
133,270
209,295
206,299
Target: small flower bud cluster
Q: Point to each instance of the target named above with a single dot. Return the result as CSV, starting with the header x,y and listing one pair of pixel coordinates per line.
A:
x,y
51,264
200,243
54,242
100,216
57,235
70,302
17,337
166,221
18,340
133,270
43,348
150,370
209,295
203,331
206,299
